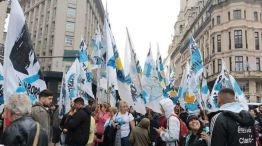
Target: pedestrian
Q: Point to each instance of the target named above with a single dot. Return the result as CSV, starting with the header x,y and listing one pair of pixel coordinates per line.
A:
x,y
101,117
232,125
196,136
163,122
110,129
170,135
154,123
55,122
23,131
137,116
77,124
41,113
92,131
258,123
140,135
125,122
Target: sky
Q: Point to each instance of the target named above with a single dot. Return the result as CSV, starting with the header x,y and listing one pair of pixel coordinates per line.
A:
x,y
148,21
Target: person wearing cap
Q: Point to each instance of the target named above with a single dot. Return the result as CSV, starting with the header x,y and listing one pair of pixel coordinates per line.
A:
x,y
23,131
196,136
140,134
170,135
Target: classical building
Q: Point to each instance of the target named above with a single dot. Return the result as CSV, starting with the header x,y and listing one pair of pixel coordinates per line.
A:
x,y
56,28
4,9
224,29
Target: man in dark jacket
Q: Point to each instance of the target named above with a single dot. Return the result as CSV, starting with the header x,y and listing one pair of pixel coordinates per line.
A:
x,y
232,125
77,124
22,131
154,123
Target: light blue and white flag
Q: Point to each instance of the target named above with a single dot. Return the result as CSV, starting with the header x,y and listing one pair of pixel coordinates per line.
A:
x,y
196,58
20,62
225,80
133,71
152,90
86,76
64,102
188,100
110,46
160,70
97,50
72,81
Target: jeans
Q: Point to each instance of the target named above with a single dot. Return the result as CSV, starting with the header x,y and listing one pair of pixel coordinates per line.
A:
x,y
125,141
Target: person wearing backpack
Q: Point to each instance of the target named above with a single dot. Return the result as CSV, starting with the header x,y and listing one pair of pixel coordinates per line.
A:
x,y
110,129
197,135
171,134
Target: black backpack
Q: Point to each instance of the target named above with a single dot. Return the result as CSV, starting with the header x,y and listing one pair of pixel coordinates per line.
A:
x,y
109,134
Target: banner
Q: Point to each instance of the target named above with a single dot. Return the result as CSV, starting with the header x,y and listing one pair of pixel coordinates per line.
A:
x,y
97,50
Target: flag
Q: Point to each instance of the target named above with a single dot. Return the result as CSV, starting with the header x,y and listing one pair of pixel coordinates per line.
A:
x,y
110,46
133,71
152,90
196,58
86,76
1,88
20,62
188,100
225,80
64,102
72,81
160,70
97,50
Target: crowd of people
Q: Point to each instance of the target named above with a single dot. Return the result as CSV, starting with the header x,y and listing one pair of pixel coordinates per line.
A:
x,y
102,125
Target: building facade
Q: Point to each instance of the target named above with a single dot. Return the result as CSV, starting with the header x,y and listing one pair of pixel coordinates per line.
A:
x,y
56,28
4,9
228,30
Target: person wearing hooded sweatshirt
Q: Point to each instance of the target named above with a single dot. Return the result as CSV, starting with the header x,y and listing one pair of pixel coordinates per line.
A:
x,y
170,135
77,125
232,125
140,134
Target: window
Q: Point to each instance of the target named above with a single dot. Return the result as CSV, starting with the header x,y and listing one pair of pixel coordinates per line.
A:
x,y
257,64
247,64
228,15
259,99
213,43
219,65
245,14
244,86
257,40
229,40
214,67
69,40
70,26
218,19
213,22
230,64
72,1
255,16
246,39
237,14
239,63
238,39
207,52
71,12
218,43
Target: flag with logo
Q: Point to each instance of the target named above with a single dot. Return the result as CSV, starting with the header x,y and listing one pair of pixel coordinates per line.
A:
x,y
20,62
225,80
133,71
152,90
97,50
86,76
188,100
64,102
160,70
196,58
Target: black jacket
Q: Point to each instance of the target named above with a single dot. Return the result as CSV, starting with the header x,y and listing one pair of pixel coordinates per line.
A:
x,y
22,133
154,123
194,140
233,129
78,127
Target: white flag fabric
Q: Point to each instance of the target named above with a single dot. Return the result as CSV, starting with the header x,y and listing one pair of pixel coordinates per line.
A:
x,y
20,62
133,71
109,45
152,90
71,81
225,80
64,101
86,76
96,46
